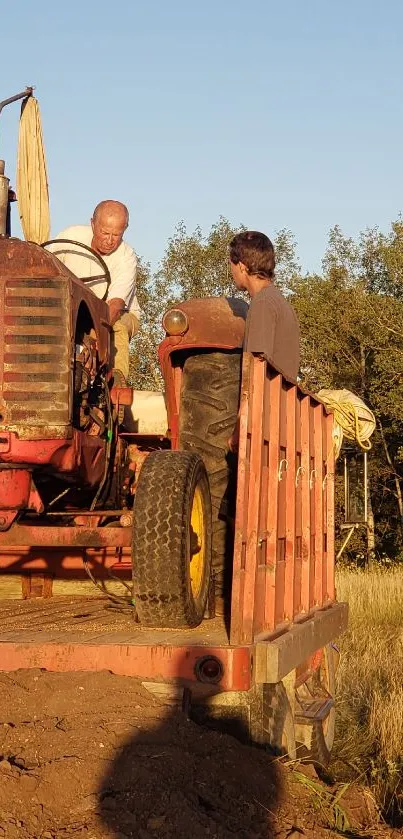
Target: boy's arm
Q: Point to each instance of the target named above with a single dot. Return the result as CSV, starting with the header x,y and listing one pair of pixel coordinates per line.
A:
x,y
233,442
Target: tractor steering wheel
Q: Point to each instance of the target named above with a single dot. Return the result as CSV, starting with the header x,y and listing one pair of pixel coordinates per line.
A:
x,y
105,276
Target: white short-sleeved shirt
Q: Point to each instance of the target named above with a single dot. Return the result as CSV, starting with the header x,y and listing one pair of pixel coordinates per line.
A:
x,y
122,265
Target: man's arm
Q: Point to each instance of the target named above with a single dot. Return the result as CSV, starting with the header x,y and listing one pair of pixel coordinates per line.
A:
x,y
122,289
123,277
233,442
116,309
135,308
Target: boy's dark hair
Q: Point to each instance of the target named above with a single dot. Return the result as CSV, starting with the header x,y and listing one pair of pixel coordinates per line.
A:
x,y
255,251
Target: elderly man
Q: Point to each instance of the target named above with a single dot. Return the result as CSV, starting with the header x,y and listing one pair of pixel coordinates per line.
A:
x,y
105,236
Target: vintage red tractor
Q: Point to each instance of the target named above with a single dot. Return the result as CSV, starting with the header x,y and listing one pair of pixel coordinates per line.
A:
x,y
69,477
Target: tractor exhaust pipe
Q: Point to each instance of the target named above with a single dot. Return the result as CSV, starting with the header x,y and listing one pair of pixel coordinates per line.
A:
x,y
4,187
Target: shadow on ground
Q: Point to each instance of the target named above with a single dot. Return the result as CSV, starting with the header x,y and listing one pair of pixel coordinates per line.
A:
x,y
184,780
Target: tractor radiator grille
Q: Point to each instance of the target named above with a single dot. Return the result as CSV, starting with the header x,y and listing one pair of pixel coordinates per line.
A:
x,y
35,352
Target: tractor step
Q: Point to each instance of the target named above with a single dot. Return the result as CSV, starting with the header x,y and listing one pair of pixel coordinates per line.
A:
x,y
313,710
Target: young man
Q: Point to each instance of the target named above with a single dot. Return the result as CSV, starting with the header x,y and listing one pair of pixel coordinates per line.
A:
x,y
271,328
105,236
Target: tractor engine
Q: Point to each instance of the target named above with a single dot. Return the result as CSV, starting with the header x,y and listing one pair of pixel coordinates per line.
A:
x,y
55,405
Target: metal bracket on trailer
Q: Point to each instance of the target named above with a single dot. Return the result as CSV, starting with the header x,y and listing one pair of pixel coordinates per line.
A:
x,y
314,710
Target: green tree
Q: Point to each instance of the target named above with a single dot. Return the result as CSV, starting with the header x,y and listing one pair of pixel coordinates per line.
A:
x,y
194,265
351,337
144,369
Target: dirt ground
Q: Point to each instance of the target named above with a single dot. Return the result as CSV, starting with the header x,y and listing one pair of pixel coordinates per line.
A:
x,y
95,755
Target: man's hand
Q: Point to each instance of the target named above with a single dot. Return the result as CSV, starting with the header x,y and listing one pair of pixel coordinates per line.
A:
x,y
233,442
116,309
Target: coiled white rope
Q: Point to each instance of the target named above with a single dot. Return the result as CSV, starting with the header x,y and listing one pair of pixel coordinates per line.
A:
x,y
32,179
352,418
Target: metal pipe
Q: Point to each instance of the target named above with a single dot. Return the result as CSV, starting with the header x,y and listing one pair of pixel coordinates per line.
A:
x,y
23,535
347,539
345,489
11,197
23,95
4,187
4,182
365,488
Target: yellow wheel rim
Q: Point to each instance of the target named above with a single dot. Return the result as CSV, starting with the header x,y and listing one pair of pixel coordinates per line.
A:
x,y
197,543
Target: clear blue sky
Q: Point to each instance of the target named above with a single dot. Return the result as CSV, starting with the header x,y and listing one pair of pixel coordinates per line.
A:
x,y
274,114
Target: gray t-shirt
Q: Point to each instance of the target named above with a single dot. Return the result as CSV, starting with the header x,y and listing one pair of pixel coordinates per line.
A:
x,y
272,330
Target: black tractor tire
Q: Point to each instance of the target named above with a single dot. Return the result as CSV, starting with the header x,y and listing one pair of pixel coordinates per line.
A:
x,y
272,720
208,412
171,487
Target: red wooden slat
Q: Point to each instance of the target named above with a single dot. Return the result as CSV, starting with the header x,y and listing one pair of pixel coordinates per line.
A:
x,y
238,575
318,492
261,552
324,506
303,480
279,616
255,473
260,587
330,467
298,510
291,403
312,498
271,520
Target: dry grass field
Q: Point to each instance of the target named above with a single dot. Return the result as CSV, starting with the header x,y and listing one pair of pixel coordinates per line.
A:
x,y
369,744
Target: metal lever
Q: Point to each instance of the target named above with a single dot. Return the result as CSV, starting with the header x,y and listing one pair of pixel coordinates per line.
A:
x,y
23,95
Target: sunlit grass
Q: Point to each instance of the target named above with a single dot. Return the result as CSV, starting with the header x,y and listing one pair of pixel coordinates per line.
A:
x,y
369,740
374,595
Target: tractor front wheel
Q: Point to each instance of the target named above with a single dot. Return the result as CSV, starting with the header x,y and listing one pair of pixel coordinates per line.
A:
x,y
171,551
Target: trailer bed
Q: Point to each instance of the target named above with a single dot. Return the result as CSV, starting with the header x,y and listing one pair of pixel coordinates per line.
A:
x,y
88,619
90,633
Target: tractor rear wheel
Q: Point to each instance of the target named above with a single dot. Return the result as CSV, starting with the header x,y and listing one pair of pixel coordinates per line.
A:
x,y
171,551
209,408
